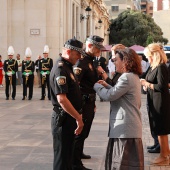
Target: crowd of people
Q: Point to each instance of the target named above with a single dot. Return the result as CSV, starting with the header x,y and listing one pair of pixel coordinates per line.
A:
x,y
122,89
72,84
18,71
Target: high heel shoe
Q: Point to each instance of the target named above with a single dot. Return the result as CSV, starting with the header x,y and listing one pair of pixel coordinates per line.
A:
x,y
161,161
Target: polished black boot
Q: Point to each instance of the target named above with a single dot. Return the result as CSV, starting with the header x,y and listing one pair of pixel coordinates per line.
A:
x,y
42,98
83,156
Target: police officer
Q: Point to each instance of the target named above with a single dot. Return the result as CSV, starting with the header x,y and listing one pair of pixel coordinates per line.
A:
x,y
10,69
45,67
87,77
66,99
28,74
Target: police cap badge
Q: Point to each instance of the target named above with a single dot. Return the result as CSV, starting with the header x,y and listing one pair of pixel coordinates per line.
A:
x,y
96,40
74,44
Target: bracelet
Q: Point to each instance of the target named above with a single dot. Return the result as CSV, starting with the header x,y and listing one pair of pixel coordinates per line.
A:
x,y
103,72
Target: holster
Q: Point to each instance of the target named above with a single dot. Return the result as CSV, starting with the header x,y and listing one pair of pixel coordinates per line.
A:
x,y
61,116
88,98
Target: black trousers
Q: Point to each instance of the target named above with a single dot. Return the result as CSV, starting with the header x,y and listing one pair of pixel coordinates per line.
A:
x,y
45,82
63,138
88,116
29,83
11,79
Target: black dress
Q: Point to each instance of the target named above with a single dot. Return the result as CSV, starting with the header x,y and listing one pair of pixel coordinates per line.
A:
x,y
159,100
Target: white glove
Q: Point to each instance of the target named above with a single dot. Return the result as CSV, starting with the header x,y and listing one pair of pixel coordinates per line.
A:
x,y
44,74
27,74
9,73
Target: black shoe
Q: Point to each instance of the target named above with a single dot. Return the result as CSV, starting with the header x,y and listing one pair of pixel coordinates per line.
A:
x,y
153,146
29,98
7,98
13,98
49,98
23,98
42,98
101,100
80,167
154,150
83,156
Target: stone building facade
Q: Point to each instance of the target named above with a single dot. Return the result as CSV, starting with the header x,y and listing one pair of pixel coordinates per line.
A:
x,y
35,23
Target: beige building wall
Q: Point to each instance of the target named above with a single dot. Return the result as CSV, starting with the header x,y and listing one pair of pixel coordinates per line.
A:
x,y
35,23
162,19
121,4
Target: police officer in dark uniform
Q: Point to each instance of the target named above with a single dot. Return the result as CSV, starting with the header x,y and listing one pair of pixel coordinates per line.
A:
x,y
87,77
45,67
66,119
28,74
10,69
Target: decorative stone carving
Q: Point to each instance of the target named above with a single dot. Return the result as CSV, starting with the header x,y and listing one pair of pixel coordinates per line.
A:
x,y
83,4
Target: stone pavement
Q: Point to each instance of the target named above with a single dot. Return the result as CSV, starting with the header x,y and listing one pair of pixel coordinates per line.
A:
x,y
26,141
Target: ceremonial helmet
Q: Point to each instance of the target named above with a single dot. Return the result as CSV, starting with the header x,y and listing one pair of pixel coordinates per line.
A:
x,y
11,50
46,49
28,52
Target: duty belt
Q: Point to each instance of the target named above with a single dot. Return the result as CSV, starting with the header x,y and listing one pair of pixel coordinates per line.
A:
x,y
89,97
59,109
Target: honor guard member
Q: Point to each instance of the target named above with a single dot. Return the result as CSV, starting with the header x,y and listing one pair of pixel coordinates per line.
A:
x,y
66,119
87,77
45,67
10,69
28,74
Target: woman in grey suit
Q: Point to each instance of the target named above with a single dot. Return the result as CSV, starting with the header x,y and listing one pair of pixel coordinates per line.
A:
x,y
125,149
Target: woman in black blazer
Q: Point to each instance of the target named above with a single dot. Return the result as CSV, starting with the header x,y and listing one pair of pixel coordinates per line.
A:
x,y
156,84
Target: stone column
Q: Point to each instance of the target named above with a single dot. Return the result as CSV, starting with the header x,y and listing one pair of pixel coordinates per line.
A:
x,y
4,27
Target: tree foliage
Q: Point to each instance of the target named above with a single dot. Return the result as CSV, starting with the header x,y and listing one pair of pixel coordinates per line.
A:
x,y
133,27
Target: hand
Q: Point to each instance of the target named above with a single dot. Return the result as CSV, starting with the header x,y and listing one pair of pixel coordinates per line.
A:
x,y
80,125
9,73
102,82
143,82
145,88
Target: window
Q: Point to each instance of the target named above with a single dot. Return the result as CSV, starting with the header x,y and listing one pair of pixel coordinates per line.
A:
x,y
115,8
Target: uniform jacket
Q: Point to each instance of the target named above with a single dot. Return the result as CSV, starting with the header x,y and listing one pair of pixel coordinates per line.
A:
x,y
125,115
10,65
48,63
28,66
87,76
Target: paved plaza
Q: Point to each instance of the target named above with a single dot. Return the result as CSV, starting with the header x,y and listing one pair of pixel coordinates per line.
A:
x,y
26,141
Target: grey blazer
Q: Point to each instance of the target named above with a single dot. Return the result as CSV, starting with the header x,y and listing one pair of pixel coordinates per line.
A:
x,y
125,97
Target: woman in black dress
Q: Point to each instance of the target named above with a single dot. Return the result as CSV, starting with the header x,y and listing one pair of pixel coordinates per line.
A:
x,y
156,84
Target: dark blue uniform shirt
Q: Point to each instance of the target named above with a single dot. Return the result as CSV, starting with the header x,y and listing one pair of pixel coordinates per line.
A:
x,y
63,81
